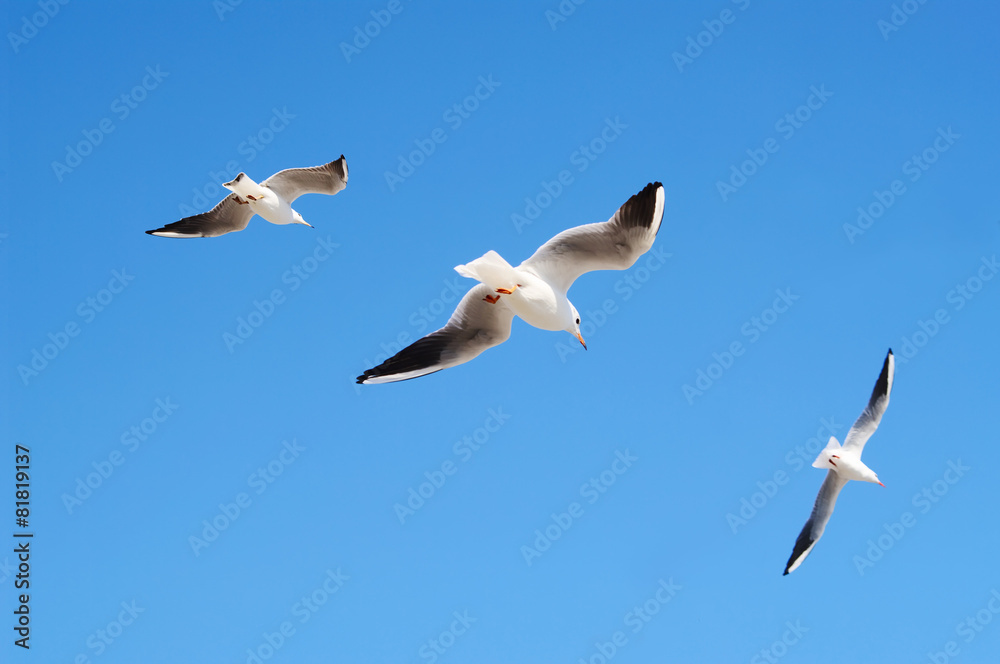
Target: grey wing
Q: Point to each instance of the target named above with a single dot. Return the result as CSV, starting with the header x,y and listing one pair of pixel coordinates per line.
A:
x,y
231,214
816,524
475,326
293,182
615,244
865,426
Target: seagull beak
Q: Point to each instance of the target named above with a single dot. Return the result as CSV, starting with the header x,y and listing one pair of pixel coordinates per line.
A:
x,y
881,485
581,340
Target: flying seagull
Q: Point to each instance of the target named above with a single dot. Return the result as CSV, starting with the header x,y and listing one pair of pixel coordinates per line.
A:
x,y
271,199
535,290
844,464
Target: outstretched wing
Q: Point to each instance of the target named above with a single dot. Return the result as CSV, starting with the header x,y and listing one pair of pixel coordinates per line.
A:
x,y
816,524
872,414
291,183
475,326
231,214
609,245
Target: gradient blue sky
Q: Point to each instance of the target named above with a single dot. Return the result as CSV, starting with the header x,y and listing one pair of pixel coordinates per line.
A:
x,y
213,88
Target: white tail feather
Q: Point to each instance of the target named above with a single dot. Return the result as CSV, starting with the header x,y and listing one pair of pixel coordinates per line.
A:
x,y
490,269
822,461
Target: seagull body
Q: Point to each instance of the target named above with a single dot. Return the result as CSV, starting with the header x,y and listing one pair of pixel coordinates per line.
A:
x,y
271,199
844,464
535,290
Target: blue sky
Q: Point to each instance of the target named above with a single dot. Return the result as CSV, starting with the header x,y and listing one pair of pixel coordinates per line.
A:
x,y
830,193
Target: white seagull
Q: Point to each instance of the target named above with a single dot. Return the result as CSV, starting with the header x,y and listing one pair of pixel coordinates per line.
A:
x,y
844,464
535,290
271,199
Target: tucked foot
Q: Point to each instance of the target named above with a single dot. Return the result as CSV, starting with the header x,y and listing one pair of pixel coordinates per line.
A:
x,y
508,292
492,299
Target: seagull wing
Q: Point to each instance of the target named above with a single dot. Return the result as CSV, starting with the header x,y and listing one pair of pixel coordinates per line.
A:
x,y
231,214
615,244
475,326
816,524
872,414
291,183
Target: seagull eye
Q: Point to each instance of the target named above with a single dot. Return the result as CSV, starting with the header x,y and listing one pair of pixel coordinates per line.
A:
x,y
577,321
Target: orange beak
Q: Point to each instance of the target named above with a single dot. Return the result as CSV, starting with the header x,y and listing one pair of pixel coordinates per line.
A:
x,y
581,340
881,485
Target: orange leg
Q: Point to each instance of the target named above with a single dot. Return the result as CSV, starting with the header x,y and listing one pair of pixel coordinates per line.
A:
x,y
508,292
492,299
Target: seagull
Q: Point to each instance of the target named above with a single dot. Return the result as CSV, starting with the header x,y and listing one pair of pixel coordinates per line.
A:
x,y
844,464
271,199
535,290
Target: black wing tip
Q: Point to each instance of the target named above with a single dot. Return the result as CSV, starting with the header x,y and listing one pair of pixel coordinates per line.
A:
x,y
890,353
153,231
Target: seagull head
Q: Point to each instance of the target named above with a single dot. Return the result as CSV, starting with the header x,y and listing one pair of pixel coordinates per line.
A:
x,y
868,475
574,327
297,219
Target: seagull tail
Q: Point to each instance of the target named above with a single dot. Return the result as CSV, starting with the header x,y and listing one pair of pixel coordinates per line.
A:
x,y
822,461
490,269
